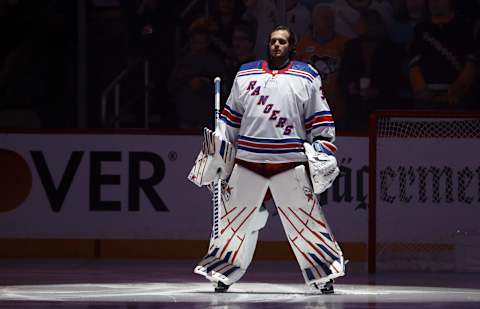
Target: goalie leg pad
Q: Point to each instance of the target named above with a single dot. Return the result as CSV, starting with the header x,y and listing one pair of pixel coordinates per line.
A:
x,y
215,269
318,254
240,219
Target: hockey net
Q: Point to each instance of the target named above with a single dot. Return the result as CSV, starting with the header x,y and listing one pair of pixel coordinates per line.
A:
x,y
424,191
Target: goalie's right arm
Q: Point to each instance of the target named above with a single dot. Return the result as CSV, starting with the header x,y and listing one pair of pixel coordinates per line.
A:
x,y
216,158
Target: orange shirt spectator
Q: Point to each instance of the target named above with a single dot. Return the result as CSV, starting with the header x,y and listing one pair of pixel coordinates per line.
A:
x,y
322,49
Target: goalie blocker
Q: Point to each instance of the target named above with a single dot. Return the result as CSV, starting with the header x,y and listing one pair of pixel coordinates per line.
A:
x,y
216,159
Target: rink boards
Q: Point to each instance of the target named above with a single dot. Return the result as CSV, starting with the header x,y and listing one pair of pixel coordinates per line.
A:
x,y
133,186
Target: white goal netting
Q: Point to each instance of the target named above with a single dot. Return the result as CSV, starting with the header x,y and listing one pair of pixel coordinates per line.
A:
x,y
427,197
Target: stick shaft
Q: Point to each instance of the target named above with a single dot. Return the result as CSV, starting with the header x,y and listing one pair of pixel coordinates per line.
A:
x,y
217,191
217,82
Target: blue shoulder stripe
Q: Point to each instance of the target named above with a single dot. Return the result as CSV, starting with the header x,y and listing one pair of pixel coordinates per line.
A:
x,y
302,66
251,65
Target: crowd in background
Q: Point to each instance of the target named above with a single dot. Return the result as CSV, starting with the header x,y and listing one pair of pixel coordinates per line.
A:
x,y
371,55
37,62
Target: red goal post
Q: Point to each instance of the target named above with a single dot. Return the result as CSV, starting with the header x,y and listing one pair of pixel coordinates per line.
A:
x,y
424,187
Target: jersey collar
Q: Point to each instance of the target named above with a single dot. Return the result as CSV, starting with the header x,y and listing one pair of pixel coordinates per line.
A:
x,y
266,69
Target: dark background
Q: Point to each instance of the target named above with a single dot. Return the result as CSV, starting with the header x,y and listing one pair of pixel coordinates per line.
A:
x,y
57,57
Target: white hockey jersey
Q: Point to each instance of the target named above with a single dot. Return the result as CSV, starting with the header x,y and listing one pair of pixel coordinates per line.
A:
x,y
270,114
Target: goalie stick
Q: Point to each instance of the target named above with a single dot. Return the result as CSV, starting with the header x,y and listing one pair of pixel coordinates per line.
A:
x,y
217,184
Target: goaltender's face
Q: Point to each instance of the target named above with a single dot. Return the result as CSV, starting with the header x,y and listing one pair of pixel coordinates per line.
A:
x,y
279,47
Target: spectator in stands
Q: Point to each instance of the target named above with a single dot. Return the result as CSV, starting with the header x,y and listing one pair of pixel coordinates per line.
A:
x,y
370,72
349,22
443,59
407,14
322,49
243,43
298,17
191,80
262,14
226,14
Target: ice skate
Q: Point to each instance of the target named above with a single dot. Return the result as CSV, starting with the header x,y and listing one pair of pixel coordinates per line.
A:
x,y
221,287
327,287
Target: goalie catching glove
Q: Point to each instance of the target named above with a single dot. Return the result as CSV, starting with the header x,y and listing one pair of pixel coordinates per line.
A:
x,y
322,165
216,158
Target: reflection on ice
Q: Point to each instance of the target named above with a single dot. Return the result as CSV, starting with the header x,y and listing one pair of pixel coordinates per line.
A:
x,y
194,292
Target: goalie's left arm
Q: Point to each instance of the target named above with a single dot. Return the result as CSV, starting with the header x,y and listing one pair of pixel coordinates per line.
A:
x,y
320,132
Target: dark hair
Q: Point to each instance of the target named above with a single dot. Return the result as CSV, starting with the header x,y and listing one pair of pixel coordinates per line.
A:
x,y
292,39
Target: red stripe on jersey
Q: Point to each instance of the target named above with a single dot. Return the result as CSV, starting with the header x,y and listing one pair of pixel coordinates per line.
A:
x,y
231,116
318,119
330,147
302,73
